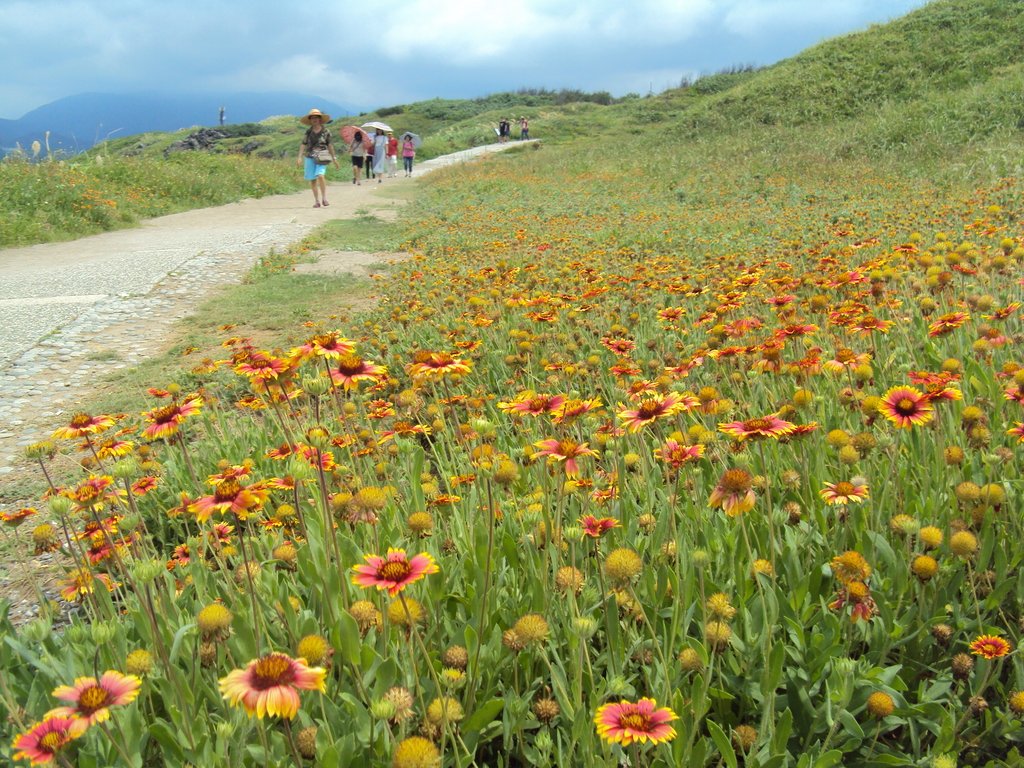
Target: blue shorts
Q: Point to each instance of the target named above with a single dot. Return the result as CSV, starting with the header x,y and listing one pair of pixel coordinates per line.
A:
x,y
313,170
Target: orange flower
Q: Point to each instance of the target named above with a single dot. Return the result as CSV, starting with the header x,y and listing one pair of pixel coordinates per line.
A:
x,y
734,492
92,699
261,366
41,743
676,454
596,527
329,345
394,572
230,496
990,647
350,369
436,365
906,407
946,323
165,420
564,450
650,409
844,492
770,426
532,403
270,684
850,566
83,424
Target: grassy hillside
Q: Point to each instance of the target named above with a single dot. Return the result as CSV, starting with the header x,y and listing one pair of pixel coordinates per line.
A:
x,y
937,90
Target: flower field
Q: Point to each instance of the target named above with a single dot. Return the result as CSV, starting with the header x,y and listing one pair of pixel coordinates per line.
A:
x,y
682,465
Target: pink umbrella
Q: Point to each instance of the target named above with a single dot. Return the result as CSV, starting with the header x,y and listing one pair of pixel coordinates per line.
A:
x,y
348,135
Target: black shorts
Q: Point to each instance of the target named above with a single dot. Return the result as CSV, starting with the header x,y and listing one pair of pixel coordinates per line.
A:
x,y
357,161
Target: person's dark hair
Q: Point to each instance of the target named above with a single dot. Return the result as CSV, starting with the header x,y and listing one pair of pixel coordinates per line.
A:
x,y
358,136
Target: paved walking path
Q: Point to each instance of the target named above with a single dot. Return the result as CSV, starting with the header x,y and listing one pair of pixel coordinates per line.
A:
x,y
70,312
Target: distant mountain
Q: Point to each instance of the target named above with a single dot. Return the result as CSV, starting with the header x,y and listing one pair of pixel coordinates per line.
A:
x,y
77,122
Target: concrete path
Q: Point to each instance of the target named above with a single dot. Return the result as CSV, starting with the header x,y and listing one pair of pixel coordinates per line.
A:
x,y
72,311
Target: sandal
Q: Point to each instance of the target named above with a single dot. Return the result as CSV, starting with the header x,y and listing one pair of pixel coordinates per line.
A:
x,y
316,204
326,203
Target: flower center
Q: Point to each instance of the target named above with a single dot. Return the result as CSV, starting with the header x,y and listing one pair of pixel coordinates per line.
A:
x,y
349,365
92,698
52,742
906,405
271,671
736,481
844,488
165,414
648,409
635,721
81,420
844,355
394,570
227,490
757,425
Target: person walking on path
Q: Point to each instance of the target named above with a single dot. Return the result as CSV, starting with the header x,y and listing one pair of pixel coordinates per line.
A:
x,y
524,129
392,155
358,151
408,153
316,152
380,153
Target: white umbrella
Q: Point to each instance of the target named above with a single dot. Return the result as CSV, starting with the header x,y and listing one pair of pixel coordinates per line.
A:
x,y
377,124
416,140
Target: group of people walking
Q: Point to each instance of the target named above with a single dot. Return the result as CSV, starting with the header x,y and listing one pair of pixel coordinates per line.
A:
x,y
505,129
376,154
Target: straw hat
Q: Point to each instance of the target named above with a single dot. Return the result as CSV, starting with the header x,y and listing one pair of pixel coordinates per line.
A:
x,y
315,113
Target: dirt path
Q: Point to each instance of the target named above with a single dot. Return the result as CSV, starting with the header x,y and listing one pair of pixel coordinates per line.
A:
x,y
71,311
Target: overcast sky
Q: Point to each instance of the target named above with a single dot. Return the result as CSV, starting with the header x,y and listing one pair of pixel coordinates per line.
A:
x,y
398,51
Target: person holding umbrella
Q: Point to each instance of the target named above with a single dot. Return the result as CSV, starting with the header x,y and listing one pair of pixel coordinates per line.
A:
x,y
380,154
408,151
357,148
317,151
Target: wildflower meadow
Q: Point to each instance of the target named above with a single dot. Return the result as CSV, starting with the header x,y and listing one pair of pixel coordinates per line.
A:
x,y
709,459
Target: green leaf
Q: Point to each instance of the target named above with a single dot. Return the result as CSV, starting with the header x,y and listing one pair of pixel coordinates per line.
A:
x,y
348,639
722,742
162,732
483,715
179,636
830,758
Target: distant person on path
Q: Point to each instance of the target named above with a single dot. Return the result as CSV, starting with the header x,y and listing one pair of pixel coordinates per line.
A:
x,y
524,129
392,155
408,153
504,130
380,154
317,151
222,115
358,151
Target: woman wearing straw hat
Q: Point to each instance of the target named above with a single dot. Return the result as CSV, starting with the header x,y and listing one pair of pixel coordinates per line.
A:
x,y
317,141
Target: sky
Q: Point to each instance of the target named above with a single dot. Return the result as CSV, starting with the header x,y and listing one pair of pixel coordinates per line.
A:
x,y
394,52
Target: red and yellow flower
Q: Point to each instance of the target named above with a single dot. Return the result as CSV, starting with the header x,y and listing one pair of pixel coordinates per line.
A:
x,y
906,407
270,685
91,699
734,492
41,743
628,722
564,450
770,426
845,492
990,646
393,572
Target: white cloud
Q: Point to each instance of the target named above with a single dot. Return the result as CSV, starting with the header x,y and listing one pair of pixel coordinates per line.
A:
x,y
754,18
474,31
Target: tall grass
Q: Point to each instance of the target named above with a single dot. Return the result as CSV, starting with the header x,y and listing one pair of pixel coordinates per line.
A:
x,y
48,201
